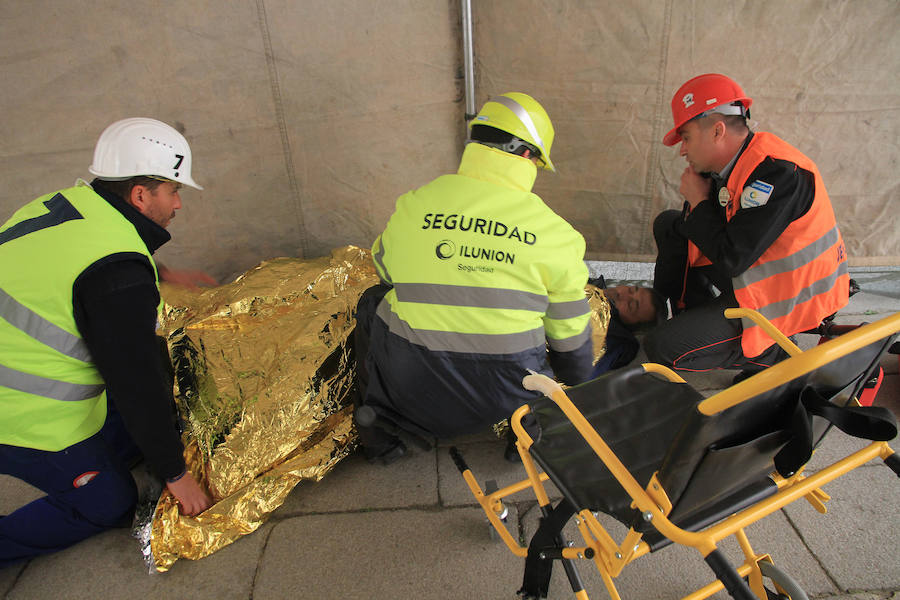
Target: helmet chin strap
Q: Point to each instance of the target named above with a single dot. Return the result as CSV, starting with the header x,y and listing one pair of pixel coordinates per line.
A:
x,y
514,146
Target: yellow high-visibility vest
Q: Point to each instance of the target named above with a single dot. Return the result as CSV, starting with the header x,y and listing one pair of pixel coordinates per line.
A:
x,y
479,264
51,393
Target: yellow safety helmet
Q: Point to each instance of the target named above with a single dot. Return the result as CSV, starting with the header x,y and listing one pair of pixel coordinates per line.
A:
x,y
522,116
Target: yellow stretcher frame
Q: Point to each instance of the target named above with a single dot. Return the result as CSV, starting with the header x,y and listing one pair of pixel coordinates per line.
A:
x,y
610,557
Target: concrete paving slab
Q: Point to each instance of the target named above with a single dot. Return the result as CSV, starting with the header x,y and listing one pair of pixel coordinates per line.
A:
x,y
385,554
109,565
15,493
836,446
863,596
775,536
709,382
8,577
675,571
486,462
868,303
858,540
883,280
865,313
354,484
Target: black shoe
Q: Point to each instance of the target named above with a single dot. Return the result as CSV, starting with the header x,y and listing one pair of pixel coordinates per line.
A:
x,y
391,455
511,453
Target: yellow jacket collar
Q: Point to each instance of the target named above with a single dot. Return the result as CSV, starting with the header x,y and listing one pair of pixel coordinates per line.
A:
x,y
496,166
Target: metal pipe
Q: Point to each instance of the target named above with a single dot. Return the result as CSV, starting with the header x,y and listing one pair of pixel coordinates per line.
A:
x,y
468,59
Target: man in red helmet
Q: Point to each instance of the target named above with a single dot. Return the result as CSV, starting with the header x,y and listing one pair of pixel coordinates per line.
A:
x,y
757,231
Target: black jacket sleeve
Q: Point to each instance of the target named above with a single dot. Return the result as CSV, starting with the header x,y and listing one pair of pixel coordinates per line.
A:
x,y
115,303
734,245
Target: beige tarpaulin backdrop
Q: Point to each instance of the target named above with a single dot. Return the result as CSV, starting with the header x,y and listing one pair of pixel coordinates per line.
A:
x,y
307,119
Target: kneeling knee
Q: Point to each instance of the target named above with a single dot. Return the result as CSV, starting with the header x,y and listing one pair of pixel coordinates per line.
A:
x,y
664,222
115,505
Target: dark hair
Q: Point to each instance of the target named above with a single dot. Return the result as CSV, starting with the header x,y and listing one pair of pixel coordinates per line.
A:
x,y
736,122
660,313
497,138
733,122
660,306
123,187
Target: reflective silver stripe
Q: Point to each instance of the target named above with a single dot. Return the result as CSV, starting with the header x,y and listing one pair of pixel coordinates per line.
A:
x,y
379,260
452,341
571,343
783,265
21,317
568,310
463,295
784,307
523,116
49,388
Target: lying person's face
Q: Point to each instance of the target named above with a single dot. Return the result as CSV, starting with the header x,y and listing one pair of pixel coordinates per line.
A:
x,y
635,304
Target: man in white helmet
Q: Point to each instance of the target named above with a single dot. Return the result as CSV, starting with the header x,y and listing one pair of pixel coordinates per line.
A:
x,y
480,278
84,388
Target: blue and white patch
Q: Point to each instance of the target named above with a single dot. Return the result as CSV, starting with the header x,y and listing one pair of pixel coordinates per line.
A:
x,y
756,194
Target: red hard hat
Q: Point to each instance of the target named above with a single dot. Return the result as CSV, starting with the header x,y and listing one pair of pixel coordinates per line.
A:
x,y
699,95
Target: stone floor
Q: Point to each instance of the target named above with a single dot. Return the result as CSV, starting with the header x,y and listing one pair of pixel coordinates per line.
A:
x,y
412,530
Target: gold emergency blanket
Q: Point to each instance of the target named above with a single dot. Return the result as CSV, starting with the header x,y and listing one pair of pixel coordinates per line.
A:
x,y
263,370
600,316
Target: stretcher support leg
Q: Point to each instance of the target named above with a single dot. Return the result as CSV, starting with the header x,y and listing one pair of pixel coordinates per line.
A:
x,y
569,566
729,577
893,461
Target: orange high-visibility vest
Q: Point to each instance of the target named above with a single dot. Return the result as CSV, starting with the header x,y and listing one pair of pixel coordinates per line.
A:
x,y
802,277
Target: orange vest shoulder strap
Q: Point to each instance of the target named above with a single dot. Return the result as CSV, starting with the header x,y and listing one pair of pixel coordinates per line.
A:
x,y
762,145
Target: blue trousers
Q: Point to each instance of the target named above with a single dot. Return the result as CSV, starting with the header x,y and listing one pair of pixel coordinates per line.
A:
x,y
79,503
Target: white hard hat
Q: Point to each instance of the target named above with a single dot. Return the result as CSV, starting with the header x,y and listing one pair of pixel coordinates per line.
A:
x,y
142,146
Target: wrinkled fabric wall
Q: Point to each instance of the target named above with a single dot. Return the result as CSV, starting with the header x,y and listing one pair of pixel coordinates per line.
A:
x,y
307,119
823,76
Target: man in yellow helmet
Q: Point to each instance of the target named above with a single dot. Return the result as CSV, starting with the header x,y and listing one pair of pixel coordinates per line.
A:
x,y
480,282
84,389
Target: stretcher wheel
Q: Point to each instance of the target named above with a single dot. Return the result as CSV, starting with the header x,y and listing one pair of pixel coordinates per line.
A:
x,y
490,486
785,581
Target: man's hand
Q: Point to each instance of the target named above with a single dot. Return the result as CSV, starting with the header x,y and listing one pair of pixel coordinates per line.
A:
x,y
694,187
192,500
192,279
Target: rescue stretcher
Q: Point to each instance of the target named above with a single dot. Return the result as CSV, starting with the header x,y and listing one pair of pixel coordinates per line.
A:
x,y
643,446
